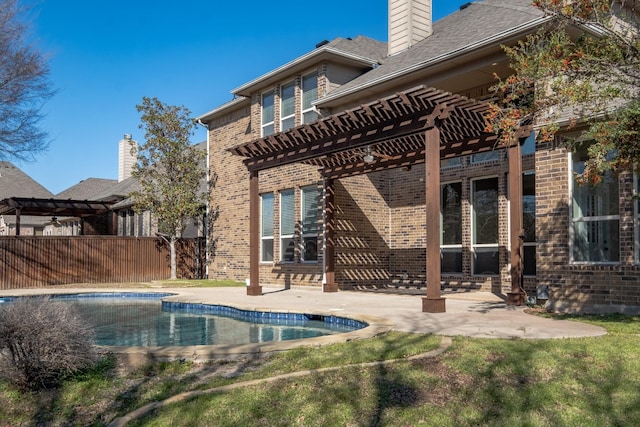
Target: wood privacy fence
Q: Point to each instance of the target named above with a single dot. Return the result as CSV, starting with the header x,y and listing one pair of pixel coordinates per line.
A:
x,y
33,261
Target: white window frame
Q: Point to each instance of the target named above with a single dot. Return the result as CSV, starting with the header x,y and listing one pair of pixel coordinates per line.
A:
x,y
314,234
474,245
270,123
292,116
289,236
312,108
444,247
264,238
573,220
524,243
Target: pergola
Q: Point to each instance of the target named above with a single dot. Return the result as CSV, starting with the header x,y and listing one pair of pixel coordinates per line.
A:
x,y
51,207
420,125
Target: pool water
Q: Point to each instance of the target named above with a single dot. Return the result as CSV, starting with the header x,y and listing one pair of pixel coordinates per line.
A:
x,y
131,320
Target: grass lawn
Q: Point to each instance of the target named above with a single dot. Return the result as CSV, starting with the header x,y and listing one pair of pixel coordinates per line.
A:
x,y
564,382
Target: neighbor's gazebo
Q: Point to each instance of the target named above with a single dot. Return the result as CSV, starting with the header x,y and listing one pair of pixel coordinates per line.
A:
x,y
420,125
52,207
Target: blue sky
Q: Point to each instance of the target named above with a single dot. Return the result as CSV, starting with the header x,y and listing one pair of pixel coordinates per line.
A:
x,y
105,56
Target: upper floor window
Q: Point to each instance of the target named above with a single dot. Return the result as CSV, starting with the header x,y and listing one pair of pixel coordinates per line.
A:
x,y
268,112
595,218
309,95
287,106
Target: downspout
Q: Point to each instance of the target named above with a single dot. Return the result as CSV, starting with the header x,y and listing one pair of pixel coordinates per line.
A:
x,y
205,223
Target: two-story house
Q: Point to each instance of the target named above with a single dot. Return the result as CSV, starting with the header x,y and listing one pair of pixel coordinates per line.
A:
x,y
367,164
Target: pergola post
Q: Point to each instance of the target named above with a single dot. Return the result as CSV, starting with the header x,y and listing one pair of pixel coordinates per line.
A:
x,y
517,294
254,287
433,302
329,281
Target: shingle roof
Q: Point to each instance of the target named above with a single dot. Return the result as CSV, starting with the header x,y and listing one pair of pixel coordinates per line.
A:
x,y
361,52
361,46
479,21
15,183
119,190
87,189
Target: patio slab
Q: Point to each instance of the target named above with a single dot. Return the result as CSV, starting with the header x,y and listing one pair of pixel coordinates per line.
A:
x,y
473,314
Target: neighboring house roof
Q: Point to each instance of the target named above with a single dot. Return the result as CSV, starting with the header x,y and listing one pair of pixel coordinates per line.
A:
x,y
87,189
476,25
15,183
117,191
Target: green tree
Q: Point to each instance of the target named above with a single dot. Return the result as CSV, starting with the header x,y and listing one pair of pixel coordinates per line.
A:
x,y
24,86
581,68
169,169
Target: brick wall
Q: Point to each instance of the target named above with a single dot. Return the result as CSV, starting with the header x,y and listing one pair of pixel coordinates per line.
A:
x,y
362,229
380,219
578,286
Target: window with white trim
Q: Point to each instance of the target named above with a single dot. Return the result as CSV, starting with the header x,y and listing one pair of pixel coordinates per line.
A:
x,y
310,204
484,199
287,225
595,218
287,106
529,222
268,112
451,228
266,227
309,95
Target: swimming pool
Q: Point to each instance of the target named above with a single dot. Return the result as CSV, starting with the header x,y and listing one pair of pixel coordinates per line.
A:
x,y
145,320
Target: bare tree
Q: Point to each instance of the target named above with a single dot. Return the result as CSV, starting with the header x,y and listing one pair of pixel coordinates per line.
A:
x,y
24,86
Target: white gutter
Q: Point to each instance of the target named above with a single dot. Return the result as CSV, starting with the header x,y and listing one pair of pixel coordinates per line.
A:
x,y
435,60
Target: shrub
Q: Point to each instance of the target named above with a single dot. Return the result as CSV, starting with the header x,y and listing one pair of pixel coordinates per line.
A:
x,y
42,341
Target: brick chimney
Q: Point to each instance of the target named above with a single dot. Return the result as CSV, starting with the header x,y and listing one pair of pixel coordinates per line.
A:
x,y
126,159
409,23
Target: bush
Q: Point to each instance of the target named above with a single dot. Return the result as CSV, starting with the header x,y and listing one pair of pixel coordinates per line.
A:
x,y
42,341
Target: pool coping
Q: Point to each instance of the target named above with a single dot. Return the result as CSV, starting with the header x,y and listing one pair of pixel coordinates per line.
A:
x,y
375,326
